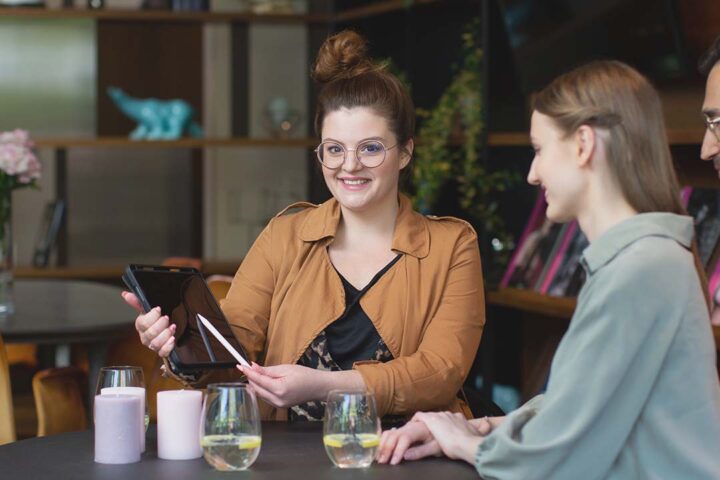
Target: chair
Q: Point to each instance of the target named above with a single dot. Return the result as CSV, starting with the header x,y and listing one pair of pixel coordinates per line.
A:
x,y
7,419
59,394
219,285
183,262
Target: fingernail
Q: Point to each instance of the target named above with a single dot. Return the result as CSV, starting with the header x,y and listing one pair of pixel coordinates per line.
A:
x,y
395,460
156,309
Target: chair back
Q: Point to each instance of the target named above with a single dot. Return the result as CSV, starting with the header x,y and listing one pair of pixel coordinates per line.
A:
x,y
7,418
59,394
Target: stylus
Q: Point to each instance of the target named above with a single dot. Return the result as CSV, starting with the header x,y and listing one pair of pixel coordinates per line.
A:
x,y
222,340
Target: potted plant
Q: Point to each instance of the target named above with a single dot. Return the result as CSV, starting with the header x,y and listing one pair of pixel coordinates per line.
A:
x,y
448,155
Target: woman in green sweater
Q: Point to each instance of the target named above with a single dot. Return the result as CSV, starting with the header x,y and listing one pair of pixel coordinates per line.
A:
x,y
633,391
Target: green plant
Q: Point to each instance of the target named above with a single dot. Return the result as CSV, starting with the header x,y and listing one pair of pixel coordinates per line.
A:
x,y
449,149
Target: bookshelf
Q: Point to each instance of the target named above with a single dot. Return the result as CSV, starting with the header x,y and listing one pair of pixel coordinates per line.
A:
x,y
128,15
112,273
545,307
162,15
689,136
124,142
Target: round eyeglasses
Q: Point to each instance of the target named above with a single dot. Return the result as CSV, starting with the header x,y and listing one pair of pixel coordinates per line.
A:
x,y
712,125
370,153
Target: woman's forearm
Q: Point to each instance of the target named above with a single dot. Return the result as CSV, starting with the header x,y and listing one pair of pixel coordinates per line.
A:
x,y
342,380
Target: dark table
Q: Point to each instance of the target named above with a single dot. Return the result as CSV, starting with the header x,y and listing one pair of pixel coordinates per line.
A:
x,y
59,313
289,450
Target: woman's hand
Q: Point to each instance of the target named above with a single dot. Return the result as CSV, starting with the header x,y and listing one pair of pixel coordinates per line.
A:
x,y
485,425
457,438
155,330
412,441
284,386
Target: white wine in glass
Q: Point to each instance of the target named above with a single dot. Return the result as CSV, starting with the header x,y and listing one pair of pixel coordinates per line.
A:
x,y
351,429
231,436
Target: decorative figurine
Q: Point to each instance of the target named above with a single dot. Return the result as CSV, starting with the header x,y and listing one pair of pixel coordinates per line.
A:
x,y
157,119
280,119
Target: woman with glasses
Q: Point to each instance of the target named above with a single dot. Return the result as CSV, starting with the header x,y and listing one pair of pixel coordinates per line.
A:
x,y
633,389
360,292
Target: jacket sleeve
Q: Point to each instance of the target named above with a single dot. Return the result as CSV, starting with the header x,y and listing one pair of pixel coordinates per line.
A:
x,y
246,308
602,375
430,378
248,302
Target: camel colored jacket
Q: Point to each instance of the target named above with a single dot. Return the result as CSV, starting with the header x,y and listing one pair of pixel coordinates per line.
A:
x,y
428,307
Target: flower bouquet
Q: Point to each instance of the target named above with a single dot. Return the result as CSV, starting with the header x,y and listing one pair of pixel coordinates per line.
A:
x,y
19,168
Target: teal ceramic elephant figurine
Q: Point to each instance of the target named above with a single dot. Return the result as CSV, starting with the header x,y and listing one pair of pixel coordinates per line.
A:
x,y
157,119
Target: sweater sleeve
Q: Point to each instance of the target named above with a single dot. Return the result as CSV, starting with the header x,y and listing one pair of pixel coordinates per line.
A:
x,y
601,376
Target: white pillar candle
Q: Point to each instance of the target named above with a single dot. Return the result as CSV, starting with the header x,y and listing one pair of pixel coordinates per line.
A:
x,y
117,439
135,391
178,424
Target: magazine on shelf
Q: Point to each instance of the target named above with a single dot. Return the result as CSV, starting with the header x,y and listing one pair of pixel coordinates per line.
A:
x,y
703,204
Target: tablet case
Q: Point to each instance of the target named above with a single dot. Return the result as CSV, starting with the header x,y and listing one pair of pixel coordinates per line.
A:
x,y
182,293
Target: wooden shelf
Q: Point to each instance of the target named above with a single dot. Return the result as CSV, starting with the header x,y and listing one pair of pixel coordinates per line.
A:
x,y
533,302
537,303
113,272
162,15
378,8
522,139
124,142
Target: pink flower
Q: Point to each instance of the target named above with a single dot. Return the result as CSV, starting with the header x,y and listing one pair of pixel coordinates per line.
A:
x,y
17,158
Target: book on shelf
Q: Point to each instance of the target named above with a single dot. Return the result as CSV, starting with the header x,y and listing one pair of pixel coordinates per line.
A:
x,y
703,204
547,257
48,232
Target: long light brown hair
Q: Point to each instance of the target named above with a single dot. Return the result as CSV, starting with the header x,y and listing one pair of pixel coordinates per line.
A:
x,y
616,98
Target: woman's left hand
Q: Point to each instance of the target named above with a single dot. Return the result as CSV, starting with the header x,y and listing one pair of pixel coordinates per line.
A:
x,y
284,386
457,438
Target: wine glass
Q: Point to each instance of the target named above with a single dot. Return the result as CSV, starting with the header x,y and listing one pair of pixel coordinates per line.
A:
x,y
351,428
125,380
231,435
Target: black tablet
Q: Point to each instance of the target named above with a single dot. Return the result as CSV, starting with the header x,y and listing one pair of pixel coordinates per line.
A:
x,y
182,294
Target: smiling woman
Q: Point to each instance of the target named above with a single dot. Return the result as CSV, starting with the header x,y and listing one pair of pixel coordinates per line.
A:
x,y
360,292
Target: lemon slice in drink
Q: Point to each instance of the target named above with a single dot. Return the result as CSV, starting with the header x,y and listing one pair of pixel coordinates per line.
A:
x,y
243,442
337,440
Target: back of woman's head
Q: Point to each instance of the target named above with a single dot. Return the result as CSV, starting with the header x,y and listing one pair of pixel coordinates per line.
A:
x,y
349,78
614,97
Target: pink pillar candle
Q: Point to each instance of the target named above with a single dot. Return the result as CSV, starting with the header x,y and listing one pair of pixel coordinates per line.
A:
x,y
117,431
135,391
178,424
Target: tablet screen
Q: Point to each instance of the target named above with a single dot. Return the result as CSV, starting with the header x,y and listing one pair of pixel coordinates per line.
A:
x,y
182,294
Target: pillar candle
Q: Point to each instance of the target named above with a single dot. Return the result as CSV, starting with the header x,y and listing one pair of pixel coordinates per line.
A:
x,y
138,392
117,435
178,424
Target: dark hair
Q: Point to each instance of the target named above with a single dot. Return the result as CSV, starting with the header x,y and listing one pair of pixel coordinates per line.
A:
x,y
349,78
710,58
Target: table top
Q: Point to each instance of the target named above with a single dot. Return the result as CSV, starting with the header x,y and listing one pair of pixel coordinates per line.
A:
x,y
65,311
289,450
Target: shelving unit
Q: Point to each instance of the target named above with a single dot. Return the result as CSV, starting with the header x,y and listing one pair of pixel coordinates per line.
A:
x,y
560,308
162,15
124,142
522,139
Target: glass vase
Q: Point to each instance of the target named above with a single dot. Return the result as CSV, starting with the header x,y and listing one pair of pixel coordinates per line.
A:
x,y
7,306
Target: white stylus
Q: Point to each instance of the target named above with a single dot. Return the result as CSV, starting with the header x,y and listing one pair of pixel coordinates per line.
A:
x,y
222,340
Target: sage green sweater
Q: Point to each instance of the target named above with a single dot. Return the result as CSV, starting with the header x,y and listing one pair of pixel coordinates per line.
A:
x,y
633,391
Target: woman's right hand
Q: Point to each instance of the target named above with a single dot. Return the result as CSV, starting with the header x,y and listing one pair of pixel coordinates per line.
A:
x,y
154,329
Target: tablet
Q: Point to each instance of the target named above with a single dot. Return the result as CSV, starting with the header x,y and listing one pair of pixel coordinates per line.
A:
x,y
182,294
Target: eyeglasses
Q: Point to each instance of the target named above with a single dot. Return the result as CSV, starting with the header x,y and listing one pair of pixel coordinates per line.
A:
x,y
712,125
370,153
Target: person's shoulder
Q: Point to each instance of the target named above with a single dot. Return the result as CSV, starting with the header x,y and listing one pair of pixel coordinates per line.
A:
x,y
291,218
295,208
446,225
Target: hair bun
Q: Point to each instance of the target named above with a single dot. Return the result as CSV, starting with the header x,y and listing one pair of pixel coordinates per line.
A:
x,y
343,55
